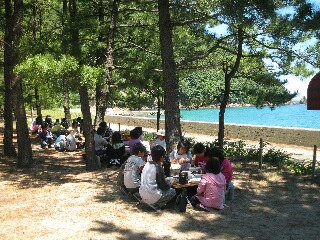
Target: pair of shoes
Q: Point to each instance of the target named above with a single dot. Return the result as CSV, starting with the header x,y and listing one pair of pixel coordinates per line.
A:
x,y
208,209
155,207
124,190
137,196
115,161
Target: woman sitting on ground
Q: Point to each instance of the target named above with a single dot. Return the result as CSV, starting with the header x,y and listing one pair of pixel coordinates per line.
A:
x,y
211,188
160,140
99,142
135,138
45,137
116,150
36,125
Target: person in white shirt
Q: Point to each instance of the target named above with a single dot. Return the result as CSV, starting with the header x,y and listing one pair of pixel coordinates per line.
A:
x,y
154,190
99,141
71,142
133,168
66,142
60,143
182,155
160,140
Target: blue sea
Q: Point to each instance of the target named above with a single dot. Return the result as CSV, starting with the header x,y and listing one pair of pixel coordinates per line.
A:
x,y
296,116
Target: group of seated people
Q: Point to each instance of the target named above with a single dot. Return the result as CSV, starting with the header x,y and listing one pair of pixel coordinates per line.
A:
x,y
58,134
144,176
111,146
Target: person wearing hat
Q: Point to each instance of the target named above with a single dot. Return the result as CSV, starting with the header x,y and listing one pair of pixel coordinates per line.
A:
x,y
160,140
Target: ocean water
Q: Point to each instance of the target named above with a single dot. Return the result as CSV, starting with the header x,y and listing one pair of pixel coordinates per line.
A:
x,y
296,116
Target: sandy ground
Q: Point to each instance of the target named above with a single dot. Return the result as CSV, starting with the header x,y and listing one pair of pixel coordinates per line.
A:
x,y
58,199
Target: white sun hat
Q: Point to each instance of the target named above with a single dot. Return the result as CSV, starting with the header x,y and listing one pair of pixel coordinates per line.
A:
x,y
160,133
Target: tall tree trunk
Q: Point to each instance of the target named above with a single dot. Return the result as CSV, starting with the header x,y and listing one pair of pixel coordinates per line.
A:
x,y
14,12
101,88
84,96
66,105
158,110
64,48
88,130
104,92
38,102
227,79
24,144
223,106
9,63
171,86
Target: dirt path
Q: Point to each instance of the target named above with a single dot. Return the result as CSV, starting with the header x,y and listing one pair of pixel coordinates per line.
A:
x,y
58,199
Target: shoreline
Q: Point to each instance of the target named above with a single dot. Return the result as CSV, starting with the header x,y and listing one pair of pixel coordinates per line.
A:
x,y
152,113
277,135
299,153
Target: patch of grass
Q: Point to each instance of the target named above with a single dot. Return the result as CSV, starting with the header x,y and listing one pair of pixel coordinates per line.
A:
x,y
56,113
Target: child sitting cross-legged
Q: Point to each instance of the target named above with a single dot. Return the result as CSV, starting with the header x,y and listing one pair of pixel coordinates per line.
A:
x,y
154,190
133,168
45,137
211,188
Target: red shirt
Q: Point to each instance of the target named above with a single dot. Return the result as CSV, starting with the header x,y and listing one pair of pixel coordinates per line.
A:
x,y
201,161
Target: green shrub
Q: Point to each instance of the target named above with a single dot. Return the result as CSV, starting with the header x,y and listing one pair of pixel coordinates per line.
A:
x,y
149,136
236,151
243,152
275,157
301,167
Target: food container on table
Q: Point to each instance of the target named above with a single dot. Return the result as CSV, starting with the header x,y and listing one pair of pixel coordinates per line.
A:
x,y
188,173
183,177
175,169
197,175
195,180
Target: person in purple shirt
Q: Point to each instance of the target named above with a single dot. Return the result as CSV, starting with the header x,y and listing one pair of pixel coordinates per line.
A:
x,y
135,138
45,137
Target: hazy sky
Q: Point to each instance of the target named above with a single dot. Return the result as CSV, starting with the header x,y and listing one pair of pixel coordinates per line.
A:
x,y
295,84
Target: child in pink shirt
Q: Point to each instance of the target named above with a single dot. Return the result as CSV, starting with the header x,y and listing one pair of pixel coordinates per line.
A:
x,y
225,164
211,188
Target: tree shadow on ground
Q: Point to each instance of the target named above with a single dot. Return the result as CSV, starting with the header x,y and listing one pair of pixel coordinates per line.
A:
x,y
268,204
49,167
125,233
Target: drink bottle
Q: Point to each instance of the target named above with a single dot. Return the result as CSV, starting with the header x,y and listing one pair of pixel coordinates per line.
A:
x,y
231,191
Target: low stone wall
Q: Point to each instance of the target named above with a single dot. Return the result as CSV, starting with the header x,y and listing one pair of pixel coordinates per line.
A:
x,y
290,136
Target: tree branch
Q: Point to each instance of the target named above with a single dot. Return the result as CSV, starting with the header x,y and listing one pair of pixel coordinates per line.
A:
x,y
199,19
206,54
